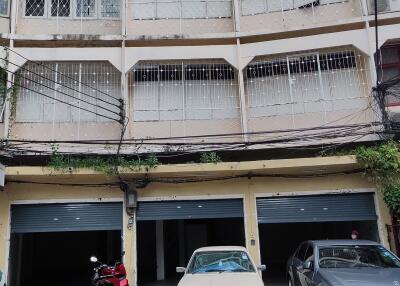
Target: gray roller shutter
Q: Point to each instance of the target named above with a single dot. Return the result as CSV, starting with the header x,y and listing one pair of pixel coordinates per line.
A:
x,y
66,217
198,209
352,207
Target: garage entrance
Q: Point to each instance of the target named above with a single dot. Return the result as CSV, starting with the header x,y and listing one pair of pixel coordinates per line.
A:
x,y
52,243
285,222
169,231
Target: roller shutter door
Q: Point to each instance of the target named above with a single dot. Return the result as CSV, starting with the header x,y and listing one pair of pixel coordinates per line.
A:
x,y
197,209
324,208
66,217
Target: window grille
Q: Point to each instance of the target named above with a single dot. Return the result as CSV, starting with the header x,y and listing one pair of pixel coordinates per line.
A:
x,y
99,76
315,82
60,8
4,7
85,8
110,8
74,9
34,8
181,9
253,7
184,91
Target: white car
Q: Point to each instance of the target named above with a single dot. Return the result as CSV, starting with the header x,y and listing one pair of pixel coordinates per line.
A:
x,y
222,266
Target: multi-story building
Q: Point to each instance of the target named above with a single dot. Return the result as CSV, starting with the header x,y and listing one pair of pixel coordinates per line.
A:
x,y
264,83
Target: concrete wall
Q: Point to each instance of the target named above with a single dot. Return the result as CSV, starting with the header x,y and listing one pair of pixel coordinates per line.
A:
x,y
238,188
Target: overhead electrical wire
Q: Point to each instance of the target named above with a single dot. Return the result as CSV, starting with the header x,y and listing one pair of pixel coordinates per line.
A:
x,y
57,82
61,92
66,76
61,101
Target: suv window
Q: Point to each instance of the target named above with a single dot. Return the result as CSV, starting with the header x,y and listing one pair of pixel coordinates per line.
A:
x,y
302,251
309,253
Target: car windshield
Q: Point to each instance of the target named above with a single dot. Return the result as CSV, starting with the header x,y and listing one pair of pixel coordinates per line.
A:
x,y
220,261
350,256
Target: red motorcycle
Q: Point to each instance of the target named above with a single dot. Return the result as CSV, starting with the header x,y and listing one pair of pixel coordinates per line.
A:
x,y
109,275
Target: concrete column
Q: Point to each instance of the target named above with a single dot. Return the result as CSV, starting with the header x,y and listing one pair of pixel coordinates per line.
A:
x,y
160,250
242,96
251,226
181,241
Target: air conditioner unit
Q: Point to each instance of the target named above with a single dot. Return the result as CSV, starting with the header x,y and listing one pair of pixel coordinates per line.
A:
x,y
383,6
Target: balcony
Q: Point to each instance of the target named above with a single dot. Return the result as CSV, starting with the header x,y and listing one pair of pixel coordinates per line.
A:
x,y
272,16
168,18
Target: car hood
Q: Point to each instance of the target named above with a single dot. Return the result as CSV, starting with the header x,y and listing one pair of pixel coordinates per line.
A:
x,y
221,279
361,276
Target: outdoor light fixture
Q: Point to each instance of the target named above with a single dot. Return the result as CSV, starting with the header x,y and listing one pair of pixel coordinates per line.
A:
x,y
130,197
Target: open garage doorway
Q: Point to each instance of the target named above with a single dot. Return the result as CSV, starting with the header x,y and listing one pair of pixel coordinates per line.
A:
x,y
285,222
162,245
52,243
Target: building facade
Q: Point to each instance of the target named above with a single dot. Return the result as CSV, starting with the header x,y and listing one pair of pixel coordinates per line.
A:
x,y
178,78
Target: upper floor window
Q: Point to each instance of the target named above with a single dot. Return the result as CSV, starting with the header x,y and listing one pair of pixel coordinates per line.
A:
x,y
390,69
184,91
4,7
88,85
181,9
252,7
74,9
305,83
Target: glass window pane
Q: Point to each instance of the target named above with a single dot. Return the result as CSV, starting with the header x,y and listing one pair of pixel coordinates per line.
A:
x,y
34,8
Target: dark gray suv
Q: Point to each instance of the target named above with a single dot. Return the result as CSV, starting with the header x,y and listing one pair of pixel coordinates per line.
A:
x,y
343,263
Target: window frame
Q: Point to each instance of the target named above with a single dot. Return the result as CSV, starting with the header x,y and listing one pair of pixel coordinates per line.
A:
x,y
8,10
180,4
72,8
44,16
62,17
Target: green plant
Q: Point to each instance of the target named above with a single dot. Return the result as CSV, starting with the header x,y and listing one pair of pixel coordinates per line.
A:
x,y
210,157
65,163
382,164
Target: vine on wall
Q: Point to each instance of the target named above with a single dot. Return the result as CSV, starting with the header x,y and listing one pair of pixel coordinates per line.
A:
x,y
66,163
382,164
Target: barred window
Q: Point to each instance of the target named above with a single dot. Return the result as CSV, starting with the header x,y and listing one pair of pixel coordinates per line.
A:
x,y
60,8
315,82
110,8
34,8
86,8
69,82
252,7
186,9
184,91
4,7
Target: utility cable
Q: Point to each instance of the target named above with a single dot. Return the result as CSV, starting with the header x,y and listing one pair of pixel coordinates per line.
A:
x,y
67,103
49,68
66,86
61,92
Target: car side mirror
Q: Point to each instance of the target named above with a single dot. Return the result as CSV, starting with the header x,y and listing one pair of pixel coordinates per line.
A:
x,y
180,269
262,267
309,265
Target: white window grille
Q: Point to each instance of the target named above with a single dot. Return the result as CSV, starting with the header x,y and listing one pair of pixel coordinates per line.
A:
x,y
181,9
110,8
86,8
184,91
4,7
35,8
253,7
67,79
73,9
60,8
315,82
